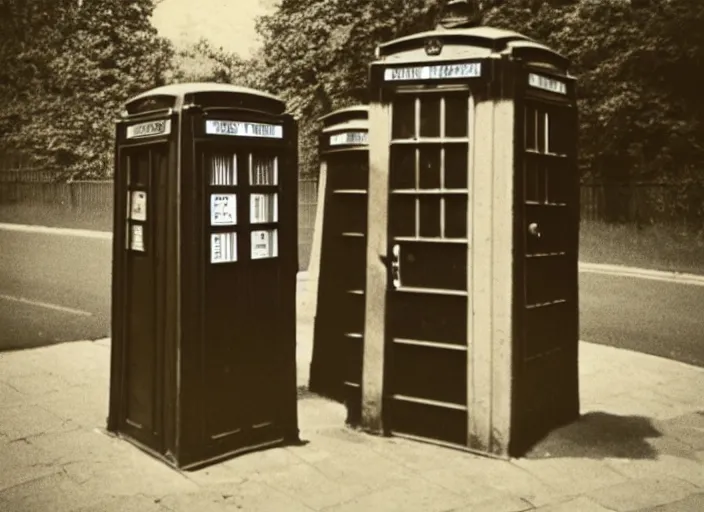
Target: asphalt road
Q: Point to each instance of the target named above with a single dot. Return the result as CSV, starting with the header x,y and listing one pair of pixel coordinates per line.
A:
x,y
660,318
53,288
56,288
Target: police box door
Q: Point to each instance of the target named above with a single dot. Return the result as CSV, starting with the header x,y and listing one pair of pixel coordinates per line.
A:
x,y
248,267
426,338
546,308
143,174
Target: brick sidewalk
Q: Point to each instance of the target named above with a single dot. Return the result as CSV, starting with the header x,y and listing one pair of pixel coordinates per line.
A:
x,y
638,447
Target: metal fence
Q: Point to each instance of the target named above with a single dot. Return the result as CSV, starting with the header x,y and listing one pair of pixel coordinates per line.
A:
x,y
645,204
31,197
679,205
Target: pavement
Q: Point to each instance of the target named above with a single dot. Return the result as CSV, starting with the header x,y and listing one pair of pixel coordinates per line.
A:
x,y
639,446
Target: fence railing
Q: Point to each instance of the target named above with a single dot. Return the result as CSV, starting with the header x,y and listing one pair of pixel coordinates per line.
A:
x,y
42,199
645,204
672,204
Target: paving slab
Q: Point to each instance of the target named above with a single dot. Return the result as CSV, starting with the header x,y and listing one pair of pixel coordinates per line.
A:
x,y
81,445
240,497
580,504
419,496
311,486
26,420
635,495
134,474
506,504
692,503
22,462
123,504
54,492
688,470
572,476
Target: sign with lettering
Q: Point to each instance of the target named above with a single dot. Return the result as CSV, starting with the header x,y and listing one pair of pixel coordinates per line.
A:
x,y
223,247
264,244
150,129
223,209
341,139
138,205
435,72
547,84
244,129
137,238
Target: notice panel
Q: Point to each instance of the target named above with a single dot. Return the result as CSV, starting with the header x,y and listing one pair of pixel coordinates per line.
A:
x,y
244,129
349,138
435,72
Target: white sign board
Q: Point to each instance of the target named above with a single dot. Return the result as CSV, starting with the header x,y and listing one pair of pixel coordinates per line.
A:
x,y
138,205
137,238
223,247
547,84
265,244
223,209
341,139
150,129
243,129
435,72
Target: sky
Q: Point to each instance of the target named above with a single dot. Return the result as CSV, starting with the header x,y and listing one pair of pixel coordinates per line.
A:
x,y
226,23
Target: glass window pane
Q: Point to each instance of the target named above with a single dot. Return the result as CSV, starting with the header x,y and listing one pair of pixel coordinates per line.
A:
x,y
402,215
429,116
429,216
403,167
264,170
263,208
456,114
429,167
223,209
139,169
531,127
532,180
223,169
456,217
404,117
223,247
138,205
265,244
137,237
456,165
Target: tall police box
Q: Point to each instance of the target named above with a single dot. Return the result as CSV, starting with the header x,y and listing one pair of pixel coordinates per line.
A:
x,y
471,318
338,258
204,273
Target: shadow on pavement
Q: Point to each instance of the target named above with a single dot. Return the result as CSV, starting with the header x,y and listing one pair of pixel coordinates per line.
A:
x,y
599,435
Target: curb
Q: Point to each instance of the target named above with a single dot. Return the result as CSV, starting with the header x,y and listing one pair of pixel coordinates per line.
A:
x,y
85,233
596,268
656,275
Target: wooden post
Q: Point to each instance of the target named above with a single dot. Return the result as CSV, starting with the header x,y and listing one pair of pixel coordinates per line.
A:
x,y
376,279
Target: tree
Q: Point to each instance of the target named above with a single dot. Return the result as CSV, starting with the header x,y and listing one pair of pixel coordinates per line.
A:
x,y
75,64
202,62
316,53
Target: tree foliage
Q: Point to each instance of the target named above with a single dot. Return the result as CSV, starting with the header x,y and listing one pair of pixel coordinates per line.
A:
x,y
203,62
638,64
67,65
315,53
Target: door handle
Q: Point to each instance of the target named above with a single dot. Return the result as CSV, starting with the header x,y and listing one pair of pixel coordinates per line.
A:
x,y
534,230
396,266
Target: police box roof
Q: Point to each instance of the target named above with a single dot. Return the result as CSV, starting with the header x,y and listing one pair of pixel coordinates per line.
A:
x,y
492,39
177,95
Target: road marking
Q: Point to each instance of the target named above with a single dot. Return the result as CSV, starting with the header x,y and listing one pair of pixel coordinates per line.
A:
x,y
46,305
640,273
85,233
594,268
